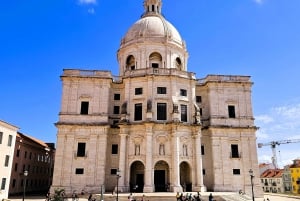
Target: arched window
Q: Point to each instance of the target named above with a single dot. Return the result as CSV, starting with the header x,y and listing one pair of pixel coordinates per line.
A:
x,y
130,63
155,60
178,63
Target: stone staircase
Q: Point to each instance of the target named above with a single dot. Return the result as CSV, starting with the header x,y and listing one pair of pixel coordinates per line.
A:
x,y
236,197
154,198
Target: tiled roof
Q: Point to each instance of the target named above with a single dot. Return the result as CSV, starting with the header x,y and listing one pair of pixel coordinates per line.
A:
x,y
272,173
21,135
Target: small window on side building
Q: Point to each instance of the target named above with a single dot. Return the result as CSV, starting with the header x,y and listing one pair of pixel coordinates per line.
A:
x,y
231,111
236,171
81,149
183,92
117,96
114,149
84,108
116,109
138,91
198,99
79,171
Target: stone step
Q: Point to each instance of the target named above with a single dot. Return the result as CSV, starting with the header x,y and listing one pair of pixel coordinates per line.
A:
x,y
156,198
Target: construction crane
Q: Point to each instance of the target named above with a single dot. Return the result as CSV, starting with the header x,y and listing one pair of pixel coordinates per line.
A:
x,y
273,145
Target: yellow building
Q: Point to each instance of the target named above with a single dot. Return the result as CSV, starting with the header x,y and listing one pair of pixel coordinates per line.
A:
x,y
295,174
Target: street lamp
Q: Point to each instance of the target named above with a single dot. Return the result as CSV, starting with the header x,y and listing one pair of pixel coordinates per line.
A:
x,y
118,177
251,176
25,174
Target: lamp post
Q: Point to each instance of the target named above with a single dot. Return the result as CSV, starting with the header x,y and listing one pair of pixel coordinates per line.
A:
x,y
251,176
118,177
101,199
25,174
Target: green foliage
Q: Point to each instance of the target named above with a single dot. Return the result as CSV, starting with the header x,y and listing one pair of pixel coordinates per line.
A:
x,y
58,194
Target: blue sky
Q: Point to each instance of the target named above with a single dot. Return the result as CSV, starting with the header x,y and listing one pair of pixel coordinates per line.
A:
x,y
260,38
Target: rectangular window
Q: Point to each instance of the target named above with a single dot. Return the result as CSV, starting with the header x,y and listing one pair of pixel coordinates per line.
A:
x,y
138,91
81,149
198,99
117,97
30,155
138,112
161,111
116,109
114,149
231,111
113,171
200,111
18,153
9,143
6,161
183,92
3,183
234,151
25,154
1,136
161,90
14,183
84,108
203,171
202,150
155,65
79,171
236,171
183,110
16,167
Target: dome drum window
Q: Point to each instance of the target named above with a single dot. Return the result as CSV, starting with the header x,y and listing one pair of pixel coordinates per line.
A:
x,y
155,60
178,63
130,63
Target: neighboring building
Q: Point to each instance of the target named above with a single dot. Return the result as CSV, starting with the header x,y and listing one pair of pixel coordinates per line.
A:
x,y
287,179
271,181
8,134
37,158
163,128
265,166
295,175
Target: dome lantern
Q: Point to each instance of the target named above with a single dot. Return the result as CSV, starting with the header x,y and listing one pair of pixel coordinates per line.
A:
x,y
152,7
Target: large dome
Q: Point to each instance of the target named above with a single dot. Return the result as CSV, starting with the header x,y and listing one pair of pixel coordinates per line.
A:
x,y
152,27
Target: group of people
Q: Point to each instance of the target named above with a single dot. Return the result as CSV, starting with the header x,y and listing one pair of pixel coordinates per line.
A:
x,y
132,198
188,197
191,197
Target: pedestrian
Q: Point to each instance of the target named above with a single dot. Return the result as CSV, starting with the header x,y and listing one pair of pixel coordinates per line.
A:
x,y
268,199
74,196
90,197
210,197
48,196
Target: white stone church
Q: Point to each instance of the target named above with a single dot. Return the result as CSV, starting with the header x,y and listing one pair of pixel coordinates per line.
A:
x,y
156,125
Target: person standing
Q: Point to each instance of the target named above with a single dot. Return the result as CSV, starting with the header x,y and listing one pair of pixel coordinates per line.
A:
x,y
210,197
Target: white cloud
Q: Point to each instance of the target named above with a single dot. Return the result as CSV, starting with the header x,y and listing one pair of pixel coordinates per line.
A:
x,y
264,119
260,134
289,111
87,1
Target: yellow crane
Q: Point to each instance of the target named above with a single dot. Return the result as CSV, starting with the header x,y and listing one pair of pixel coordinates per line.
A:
x,y
273,145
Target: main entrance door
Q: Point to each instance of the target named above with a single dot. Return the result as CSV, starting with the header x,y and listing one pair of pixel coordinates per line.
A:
x,y
137,177
159,180
161,176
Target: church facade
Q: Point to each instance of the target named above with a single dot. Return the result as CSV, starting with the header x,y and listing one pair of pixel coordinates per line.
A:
x,y
155,127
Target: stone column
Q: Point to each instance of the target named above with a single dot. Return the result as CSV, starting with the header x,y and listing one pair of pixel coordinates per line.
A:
x,y
122,158
148,187
198,186
176,171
